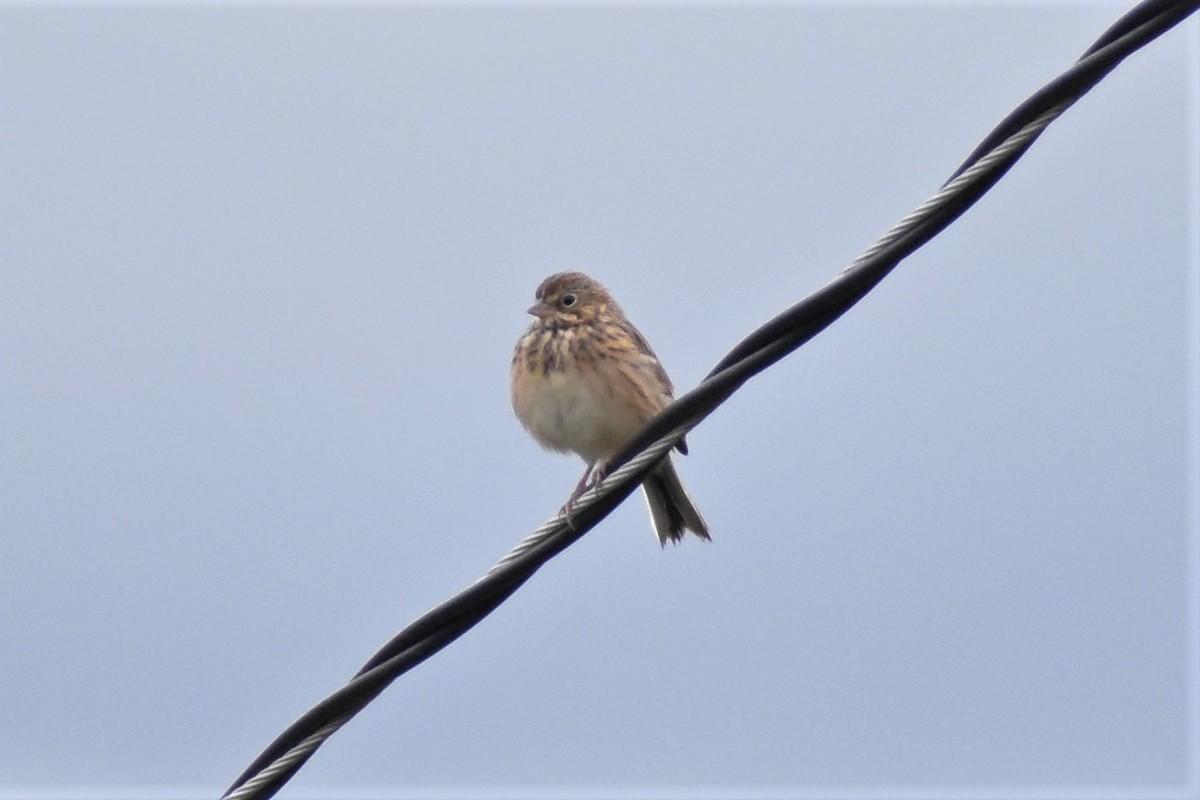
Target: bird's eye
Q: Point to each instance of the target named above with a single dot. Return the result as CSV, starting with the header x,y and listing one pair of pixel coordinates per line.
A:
x,y
569,300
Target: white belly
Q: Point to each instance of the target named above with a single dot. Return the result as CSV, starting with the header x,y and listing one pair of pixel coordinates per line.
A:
x,y
573,415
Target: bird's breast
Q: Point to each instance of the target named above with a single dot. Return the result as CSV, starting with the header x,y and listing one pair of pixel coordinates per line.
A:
x,y
569,405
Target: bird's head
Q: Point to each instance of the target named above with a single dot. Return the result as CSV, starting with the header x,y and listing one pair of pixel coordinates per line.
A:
x,y
569,298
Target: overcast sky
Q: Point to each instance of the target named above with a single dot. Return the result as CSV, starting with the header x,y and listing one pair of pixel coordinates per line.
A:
x,y
262,271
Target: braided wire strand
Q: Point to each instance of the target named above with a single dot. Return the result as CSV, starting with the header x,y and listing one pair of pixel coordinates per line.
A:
x,y
287,764
1014,145
626,476
765,346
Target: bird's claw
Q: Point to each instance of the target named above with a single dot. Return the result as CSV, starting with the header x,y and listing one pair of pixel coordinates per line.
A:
x,y
592,476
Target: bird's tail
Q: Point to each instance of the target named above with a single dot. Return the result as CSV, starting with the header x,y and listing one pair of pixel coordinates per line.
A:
x,y
671,509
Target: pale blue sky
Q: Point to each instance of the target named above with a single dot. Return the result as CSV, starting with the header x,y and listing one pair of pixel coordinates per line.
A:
x,y
262,271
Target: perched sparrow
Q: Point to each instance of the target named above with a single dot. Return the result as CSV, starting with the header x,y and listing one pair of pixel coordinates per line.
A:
x,y
585,380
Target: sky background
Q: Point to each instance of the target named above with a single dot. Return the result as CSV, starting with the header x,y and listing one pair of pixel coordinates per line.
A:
x,y
262,271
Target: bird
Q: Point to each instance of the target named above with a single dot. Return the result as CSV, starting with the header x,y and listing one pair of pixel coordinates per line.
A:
x,y
585,380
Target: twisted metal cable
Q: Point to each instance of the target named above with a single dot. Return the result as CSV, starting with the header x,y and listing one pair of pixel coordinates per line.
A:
x,y
628,474
762,348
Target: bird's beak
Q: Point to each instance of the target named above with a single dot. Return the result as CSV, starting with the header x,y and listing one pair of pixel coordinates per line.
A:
x,y
540,310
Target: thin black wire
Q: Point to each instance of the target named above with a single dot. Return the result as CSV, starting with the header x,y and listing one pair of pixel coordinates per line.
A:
x,y
762,348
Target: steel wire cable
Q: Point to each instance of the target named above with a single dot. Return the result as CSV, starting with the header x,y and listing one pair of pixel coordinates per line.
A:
x,y
779,337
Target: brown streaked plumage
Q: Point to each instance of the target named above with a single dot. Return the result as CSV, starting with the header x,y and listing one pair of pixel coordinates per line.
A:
x,y
585,380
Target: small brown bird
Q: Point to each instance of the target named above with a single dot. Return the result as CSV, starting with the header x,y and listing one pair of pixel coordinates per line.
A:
x,y
585,380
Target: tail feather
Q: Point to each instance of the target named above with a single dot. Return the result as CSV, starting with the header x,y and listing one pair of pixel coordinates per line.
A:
x,y
671,509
